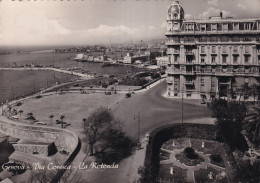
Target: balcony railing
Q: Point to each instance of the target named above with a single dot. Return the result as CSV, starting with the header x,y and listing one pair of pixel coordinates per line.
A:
x,y
189,62
189,82
189,53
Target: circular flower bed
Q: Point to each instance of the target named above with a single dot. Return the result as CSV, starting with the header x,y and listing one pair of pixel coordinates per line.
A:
x,y
189,157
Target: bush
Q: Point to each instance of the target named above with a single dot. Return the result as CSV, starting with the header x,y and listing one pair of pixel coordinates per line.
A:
x,y
216,157
190,153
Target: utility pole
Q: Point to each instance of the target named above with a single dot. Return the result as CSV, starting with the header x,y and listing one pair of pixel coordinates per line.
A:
x,y
33,86
13,91
182,104
138,120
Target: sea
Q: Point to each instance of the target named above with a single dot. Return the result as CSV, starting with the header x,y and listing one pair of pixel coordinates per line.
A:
x,y
14,84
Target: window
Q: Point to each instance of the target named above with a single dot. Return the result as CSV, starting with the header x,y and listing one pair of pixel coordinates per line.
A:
x,y
225,27
203,28
214,27
213,39
224,49
246,80
213,49
235,49
203,49
175,58
213,59
247,58
235,39
246,39
224,39
247,49
247,26
202,59
202,80
224,59
236,26
188,94
235,59
175,15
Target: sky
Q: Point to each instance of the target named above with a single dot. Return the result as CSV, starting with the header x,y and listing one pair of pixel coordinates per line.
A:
x,y
76,22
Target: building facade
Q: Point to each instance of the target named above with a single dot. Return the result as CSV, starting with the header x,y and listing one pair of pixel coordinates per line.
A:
x,y
211,57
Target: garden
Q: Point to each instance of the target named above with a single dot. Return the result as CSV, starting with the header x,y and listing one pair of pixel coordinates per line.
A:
x,y
194,160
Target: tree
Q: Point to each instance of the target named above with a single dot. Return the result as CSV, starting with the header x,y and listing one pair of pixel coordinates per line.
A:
x,y
20,112
251,125
103,133
96,126
30,117
51,116
61,120
230,116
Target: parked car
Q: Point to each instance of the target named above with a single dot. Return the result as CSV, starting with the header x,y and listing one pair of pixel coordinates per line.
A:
x,y
203,101
127,95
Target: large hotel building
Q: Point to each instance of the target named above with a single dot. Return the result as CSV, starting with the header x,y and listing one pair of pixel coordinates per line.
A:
x,y
211,57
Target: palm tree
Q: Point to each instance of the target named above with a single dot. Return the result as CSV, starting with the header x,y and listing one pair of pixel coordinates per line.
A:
x,y
61,119
251,125
30,116
20,112
84,121
51,116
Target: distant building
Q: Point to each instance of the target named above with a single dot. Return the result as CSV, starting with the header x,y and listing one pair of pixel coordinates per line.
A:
x,y
130,58
162,61
211,57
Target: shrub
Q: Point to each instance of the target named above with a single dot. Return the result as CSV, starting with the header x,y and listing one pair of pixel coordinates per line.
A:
x,y
216,157
190,153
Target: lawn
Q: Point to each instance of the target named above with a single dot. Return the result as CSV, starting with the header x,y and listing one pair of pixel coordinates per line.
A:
x,y
203,175
210,147
179,174
187,161
168,145
164,155
73,106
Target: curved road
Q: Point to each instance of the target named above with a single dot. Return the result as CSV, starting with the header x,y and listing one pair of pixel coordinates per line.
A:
x,y
156,110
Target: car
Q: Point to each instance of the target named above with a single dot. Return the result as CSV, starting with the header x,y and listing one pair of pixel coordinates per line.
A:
x,y
40,123
127,95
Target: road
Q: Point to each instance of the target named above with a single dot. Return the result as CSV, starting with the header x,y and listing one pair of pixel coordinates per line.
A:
x,y
156,110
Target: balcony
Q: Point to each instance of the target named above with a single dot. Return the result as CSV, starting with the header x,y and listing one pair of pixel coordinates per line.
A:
x,y
172,71
169,80
189,72
189,63
175,52
189,82
172,43
189,53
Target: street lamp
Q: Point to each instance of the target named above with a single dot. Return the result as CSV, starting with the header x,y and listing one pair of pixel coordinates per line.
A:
x,y
61,119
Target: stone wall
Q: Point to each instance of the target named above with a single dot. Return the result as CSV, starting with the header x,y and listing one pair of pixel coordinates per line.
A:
x,y
63,139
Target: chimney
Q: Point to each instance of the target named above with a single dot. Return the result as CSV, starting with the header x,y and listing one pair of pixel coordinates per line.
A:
x,y
221,15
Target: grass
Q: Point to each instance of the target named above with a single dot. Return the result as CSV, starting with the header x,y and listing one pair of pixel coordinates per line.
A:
x,y
179,174
202,175
187,161
180,143
220,163
210,147
164,155
168,145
